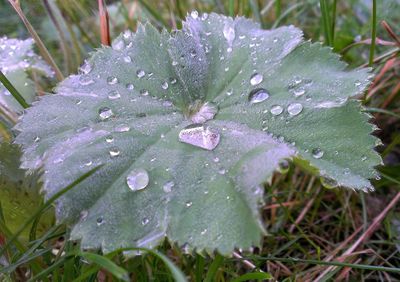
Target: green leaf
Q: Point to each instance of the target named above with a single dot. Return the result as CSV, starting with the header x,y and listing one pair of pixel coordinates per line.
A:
x,y
17,57
19,193
263,96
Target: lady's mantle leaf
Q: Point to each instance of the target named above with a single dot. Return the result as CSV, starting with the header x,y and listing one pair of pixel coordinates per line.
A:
x,y
133,106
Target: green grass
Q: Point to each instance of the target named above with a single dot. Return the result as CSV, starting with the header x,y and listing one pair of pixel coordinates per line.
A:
x,y
313,233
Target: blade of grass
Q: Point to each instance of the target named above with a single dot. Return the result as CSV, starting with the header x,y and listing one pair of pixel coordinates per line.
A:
x,y
156,15
333,24
42,48
278,7
63,42
373,34
45,206
212,271
326,22
256,12
231,8
286,13
254,276
106,264
7,84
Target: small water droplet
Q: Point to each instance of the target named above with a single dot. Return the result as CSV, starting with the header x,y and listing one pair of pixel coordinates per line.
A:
x,y
216,159
118,44
328,183
203,232
164,85
229,92
105,113
137,179
317,153
167,187
276,110
200,136
37,139
299,92
122,128
283,166
85,80
294,109
194,14
229,33
86,68
222,171
109,139
363,158
189,204
127,59
130,86
256,79
99,221
258,95
357,83
172,80
112,80
114,152
114,94
144,92
140,73
206,112
145,221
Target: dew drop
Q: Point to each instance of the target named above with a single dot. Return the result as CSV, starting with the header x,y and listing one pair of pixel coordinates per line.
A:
x,y
127,59
86,68
222,171
328,183
276,110
299,92
167,187
137,179
200,136
205,113
258,95
216,159
317,153
118,44
172,80
112,95
112,80
363,158
105,113
357,83
229,33
145,221
229,92
140,73
194,14
122,128
164,85
256,79
85,80
294,109
283,166
114,152
144,92
99,221
203,232
130,86
189,204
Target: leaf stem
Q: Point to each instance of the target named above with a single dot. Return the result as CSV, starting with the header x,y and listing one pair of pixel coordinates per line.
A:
x,y
13,91
42,48
373,34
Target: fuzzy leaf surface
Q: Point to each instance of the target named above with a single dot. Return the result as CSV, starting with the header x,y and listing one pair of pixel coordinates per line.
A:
x,y
130,102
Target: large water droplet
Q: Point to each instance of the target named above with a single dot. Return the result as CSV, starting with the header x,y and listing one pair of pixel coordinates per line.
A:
x,y
317,153
105,113
140,73
112,95
256,79
167,187
137,179
200,136
276,110
112,80
258,95
294,109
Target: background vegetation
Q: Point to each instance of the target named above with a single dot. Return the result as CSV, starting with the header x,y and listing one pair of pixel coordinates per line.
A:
x,y
314,233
